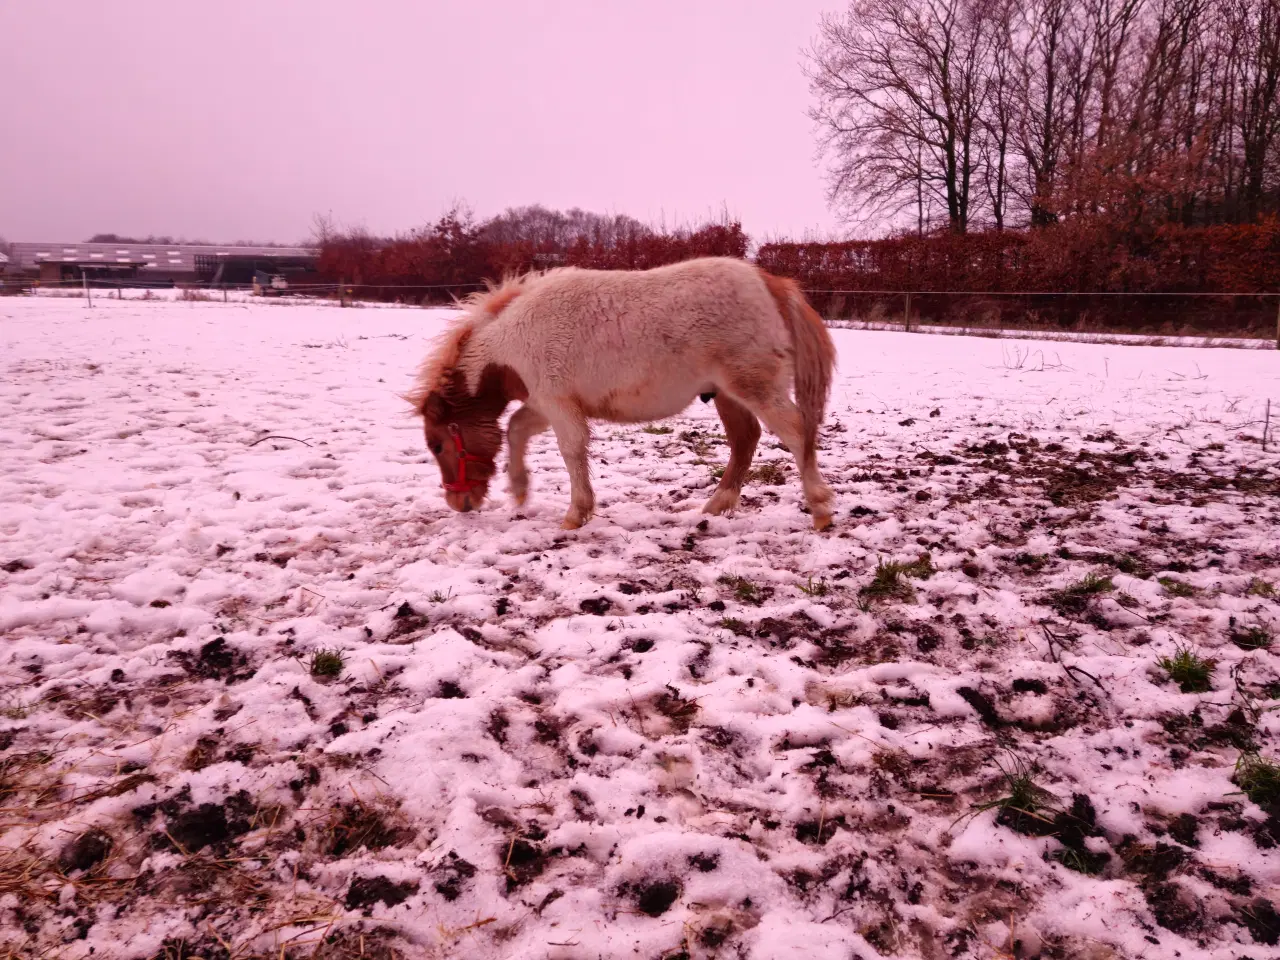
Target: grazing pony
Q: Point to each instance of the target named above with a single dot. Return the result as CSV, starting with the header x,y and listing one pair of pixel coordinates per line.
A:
x,y
573,345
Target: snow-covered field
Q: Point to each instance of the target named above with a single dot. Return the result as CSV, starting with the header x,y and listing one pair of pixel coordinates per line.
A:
x,y
1072,336
659,736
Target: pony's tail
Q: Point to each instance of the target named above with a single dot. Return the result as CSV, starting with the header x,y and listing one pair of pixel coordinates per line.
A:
x,y
815,356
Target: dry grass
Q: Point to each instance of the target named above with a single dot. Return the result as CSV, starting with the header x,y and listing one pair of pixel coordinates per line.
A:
x,y
770,474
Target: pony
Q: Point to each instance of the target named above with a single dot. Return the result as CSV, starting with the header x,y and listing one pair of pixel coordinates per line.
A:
x,y
572,345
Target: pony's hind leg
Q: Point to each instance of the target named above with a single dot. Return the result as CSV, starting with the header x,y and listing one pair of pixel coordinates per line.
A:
x,y
526,423
743,431
782,418
573,435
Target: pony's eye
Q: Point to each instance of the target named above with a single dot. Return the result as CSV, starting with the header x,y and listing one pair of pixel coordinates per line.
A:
x,y
435,447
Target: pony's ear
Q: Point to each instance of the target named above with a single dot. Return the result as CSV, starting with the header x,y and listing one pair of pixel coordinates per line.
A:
x,y
433,407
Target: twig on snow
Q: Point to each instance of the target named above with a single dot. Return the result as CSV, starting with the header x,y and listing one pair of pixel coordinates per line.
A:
x,y
636,709
1051,637
277,437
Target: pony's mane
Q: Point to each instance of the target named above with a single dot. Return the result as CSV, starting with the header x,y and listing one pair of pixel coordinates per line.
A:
x,y
435,375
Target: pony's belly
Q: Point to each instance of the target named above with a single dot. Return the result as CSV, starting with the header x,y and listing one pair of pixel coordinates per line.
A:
x,y
639,406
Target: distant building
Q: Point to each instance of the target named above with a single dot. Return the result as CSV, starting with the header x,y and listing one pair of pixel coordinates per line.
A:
x,y
159,264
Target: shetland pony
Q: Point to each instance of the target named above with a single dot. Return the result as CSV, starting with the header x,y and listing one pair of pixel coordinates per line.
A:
x,y
573,345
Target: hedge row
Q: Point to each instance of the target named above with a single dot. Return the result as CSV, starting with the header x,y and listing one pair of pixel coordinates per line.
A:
x,y
453,257
951,276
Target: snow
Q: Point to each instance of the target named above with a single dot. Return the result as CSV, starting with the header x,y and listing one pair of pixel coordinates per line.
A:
x,y
661,733
1069,336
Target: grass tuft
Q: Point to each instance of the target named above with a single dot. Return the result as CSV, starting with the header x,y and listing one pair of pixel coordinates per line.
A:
x,y
328,664
1253,638
1258,779
815,588
1026,807
744,591
1024,793
1260,588
658,431
1190,671
1075,598
1132,565
921,568
1176,588
1081,861
890,581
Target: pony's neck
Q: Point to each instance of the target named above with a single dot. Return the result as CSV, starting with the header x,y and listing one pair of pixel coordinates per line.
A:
x,y
474,355
487,377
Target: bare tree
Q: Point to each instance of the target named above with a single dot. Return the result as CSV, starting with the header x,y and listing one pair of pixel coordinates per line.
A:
x,y
1001,99
1112,25
900,88
545,230
1049,49
1257,78
324,229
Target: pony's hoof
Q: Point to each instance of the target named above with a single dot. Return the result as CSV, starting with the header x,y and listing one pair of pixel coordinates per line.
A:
x,y
519,499
821,523
576,517
719,504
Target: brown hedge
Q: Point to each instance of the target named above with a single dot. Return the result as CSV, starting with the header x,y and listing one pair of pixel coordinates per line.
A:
x,y
453,256
949,273
1078,256
951,276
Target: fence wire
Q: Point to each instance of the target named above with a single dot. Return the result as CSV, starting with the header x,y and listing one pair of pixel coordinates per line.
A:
x,y
891,310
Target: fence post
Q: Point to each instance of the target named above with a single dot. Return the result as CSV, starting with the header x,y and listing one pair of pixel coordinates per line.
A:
x,y
906,314
84,278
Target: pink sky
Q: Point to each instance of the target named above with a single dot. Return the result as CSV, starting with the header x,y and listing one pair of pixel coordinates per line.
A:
x,y
241,119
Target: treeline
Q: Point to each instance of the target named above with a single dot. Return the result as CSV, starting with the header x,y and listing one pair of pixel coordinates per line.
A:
x,y
457,252
950,274
163,239
971,115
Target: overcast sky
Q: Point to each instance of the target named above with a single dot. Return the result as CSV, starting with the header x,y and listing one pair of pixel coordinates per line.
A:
x,y
240,119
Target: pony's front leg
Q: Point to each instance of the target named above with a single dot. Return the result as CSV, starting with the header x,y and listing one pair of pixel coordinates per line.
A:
x,y
526,423
573,435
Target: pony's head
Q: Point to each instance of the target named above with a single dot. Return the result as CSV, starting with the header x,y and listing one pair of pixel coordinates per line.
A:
x,y
462,433
460,402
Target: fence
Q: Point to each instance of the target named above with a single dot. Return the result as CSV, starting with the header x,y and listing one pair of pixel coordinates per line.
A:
x,y
1215,319
1251,317
421,294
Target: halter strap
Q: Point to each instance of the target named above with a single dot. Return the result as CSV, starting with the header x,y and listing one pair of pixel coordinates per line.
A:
x,y
462,484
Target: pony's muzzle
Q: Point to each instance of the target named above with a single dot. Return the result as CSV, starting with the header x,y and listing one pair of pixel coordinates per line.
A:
x,y
465,502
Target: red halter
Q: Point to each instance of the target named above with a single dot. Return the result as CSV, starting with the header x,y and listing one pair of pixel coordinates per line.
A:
x,y
462,484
